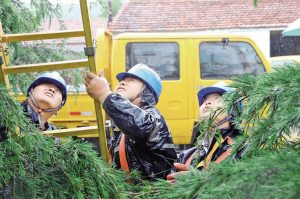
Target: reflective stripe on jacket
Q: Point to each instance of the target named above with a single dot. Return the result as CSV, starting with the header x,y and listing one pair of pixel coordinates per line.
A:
x,y
212,154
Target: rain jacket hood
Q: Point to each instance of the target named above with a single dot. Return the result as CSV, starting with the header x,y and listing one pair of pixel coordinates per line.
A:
x,y
149,145
148,97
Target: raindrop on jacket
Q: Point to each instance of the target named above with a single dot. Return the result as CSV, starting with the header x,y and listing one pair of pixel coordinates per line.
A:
x,y
149,146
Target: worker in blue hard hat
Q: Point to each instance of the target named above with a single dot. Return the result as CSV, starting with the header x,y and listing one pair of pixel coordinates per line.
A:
x,y
46,95
211,150
142,140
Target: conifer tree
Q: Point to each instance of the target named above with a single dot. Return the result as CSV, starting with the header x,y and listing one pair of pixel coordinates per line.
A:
x,y
270,167
34,166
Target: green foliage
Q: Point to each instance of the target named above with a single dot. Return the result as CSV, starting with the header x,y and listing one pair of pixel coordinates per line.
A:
x,y
16,18
206,124
271,164
272,174
34,166
44,9
115,7
272,108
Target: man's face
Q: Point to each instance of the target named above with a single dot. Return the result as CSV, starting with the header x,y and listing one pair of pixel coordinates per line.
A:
x,y
211,102
129,88
47,96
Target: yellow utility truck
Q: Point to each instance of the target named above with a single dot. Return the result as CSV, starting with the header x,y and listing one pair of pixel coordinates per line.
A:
x,y
280,60
186,62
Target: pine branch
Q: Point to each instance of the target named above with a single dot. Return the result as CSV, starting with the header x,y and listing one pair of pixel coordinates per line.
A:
x,y
272,174
32,165
14,122
271,165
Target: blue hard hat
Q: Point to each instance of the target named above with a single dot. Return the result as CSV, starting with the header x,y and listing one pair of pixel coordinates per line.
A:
x,y
146,74
53,78
219,87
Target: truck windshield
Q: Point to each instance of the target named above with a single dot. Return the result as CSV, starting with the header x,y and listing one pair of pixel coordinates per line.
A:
x,y
163,57
220,60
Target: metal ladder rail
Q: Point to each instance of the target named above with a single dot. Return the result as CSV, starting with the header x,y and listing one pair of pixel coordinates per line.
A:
x,y
91,57
4,71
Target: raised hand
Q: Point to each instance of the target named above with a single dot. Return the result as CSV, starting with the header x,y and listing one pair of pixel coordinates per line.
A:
x,y
97,86
183,170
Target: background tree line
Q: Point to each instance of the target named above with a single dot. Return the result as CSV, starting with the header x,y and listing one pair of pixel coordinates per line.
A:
x,y
17,17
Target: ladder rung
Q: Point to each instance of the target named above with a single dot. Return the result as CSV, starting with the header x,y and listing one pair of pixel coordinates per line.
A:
x,y
73,132
42,35
45,66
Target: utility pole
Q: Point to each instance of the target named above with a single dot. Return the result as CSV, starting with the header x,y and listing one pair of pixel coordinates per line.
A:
x,y
109,20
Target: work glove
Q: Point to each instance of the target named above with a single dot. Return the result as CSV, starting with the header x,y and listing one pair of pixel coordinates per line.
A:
x,y
183,170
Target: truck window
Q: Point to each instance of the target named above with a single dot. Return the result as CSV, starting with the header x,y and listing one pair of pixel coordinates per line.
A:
x,y
163,57
220,60
280,63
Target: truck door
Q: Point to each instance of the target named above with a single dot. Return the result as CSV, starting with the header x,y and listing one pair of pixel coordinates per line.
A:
x,y
223,58
104,49
103,58
168,58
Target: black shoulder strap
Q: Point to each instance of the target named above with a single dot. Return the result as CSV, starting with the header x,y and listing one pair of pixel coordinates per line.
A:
x,y
229,117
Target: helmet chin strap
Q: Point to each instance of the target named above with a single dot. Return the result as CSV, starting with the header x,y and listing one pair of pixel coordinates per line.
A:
x,y
229,117
40,110
140,94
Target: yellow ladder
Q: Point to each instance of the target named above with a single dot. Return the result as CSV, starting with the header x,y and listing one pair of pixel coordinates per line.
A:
x,y
90,62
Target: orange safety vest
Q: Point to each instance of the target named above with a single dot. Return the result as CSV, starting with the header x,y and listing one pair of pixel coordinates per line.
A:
x,y
220,159
122,155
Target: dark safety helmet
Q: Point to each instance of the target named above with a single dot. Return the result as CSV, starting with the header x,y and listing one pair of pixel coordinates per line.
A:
x,y
148,75
52,78
219,87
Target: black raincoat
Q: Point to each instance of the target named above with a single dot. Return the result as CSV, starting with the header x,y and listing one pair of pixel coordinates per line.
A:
x,y
149,145
33,118
199,153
